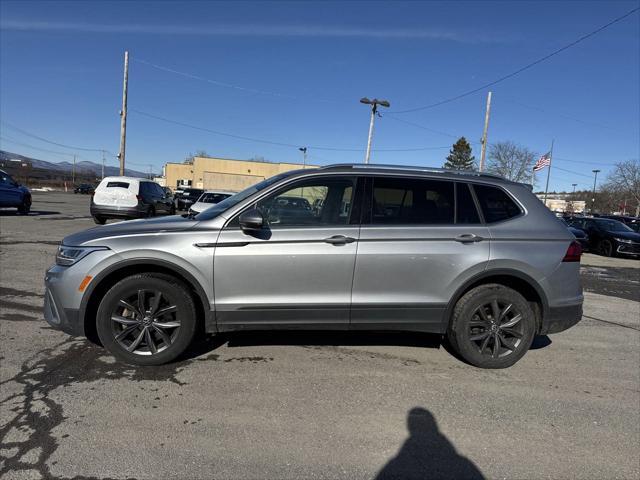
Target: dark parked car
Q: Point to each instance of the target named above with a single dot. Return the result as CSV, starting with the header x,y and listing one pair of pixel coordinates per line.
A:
x,y
188,197
85,188
12,194
609,237
580,235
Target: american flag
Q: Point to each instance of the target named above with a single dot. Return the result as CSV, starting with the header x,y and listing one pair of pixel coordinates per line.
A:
x,y
544,161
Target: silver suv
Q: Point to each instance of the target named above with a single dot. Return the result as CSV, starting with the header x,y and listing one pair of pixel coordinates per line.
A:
x,y
471,256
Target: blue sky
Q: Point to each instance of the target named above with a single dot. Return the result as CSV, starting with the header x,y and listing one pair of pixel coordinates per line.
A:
x,y
292,72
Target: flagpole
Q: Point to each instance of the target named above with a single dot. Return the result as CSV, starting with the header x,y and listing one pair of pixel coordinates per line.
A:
x,y
546,189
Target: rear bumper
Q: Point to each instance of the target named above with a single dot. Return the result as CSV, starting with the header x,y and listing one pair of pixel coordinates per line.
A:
x,y
559,319
139,211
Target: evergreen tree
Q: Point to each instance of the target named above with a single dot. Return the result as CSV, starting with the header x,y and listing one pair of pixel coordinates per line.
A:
x,y
460,157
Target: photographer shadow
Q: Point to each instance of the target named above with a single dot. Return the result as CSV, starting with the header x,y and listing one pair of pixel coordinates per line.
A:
x,y
427,454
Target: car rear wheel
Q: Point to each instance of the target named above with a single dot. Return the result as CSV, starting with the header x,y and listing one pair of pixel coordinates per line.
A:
x,y
99,220
147,319
492,326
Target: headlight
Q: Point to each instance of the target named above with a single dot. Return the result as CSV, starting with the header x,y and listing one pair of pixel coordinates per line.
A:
x,y
69,255
623,240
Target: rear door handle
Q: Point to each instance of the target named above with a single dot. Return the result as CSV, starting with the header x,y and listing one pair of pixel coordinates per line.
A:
x,y
339,240
468,238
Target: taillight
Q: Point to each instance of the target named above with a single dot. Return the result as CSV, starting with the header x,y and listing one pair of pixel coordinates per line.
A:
x,y
573,252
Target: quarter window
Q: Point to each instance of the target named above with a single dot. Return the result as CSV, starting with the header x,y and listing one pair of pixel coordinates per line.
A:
x,y
467,213
495,203
412,201
312,203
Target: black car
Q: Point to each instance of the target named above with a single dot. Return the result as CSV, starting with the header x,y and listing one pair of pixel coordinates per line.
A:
x,y
581,236
609,237
188,197
84,188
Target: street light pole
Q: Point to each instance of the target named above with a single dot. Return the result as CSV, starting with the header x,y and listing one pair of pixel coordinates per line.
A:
x,y
593,199
374,109
304,156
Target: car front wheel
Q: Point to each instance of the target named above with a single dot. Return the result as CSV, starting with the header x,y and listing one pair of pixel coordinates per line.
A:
x,y
147,319
492,326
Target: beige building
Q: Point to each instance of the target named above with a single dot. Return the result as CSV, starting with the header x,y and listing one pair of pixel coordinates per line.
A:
x,y
223,173
556,203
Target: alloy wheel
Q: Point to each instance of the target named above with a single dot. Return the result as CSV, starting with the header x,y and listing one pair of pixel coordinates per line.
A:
x,y
145,323
496,329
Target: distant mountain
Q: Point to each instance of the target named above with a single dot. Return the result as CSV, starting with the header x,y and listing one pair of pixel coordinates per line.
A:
x,y
83,167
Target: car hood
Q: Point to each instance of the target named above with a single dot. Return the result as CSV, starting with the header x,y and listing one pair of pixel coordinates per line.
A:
x,y
626,235
130,227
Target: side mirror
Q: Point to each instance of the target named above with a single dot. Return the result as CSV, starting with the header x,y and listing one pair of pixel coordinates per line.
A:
x,y
251,220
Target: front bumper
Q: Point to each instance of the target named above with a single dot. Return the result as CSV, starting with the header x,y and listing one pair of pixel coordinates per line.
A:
x,y
559,319
628,248
65,319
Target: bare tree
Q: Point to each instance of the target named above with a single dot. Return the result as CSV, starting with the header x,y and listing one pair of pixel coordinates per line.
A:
x,y
624,179
199,153
511,161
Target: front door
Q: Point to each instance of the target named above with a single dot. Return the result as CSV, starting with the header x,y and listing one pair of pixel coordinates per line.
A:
x,y
298,270
414,248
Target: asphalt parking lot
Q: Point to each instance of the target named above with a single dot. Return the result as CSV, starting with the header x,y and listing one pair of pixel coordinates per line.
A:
x,y
309,405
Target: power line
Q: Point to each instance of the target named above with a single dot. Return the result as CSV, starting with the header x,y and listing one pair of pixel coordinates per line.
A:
x,y
572,172
71,147
522,69
232,86
10,140
280,144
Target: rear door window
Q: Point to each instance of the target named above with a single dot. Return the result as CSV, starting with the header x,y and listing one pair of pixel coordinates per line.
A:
x,y
496,204
403,201
117,184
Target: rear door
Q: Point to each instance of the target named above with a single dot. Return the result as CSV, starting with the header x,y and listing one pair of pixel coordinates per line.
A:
x,y
418,239
298,271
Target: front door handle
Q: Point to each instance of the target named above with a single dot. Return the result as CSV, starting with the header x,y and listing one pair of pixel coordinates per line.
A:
x,y
468,238
339,240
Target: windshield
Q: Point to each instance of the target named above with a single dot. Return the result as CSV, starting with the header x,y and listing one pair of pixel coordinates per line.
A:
x,y
233,200
613,226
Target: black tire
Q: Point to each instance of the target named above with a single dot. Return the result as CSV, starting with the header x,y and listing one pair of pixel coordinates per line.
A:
x,y
606,248
151,212
25,208
178,325
481,339
172,210
99,220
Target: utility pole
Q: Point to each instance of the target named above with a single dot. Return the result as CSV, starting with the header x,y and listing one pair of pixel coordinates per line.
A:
x,y
304,156
483,151
102,163
593,198
73,171
546,189
123,114
374,110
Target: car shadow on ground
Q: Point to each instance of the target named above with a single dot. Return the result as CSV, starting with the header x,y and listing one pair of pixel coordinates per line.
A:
x,y
32,213
333,338
427,453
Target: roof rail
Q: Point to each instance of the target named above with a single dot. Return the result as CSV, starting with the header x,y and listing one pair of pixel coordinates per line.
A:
x,y
413,168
